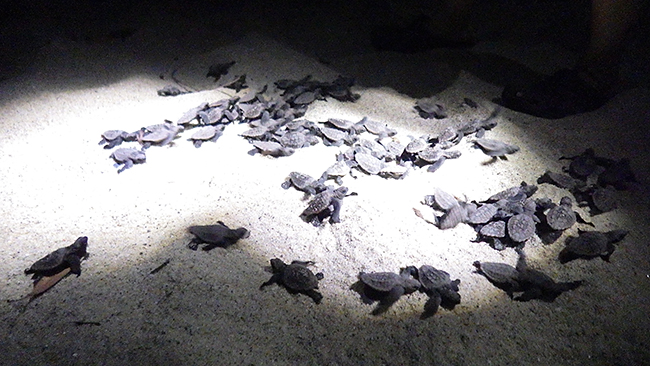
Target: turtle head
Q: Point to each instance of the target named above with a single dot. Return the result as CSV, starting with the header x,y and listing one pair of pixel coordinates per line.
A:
x,y
80,245
242,233
277,265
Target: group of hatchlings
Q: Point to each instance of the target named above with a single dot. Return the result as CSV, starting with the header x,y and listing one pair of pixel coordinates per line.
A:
x,y
507,219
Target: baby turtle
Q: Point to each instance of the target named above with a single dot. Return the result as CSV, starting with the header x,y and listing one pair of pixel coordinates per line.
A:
x,y
521,227
112,138
272,148
206,133
502,275
128,156
160,134
437,284
369,163
590,244
387,288
303,182
430,108
296,278
217,70
561,217
213,236
538,285
60,259
495,148
325,203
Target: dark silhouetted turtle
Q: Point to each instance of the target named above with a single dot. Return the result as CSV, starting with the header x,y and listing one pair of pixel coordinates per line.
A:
x,y
437,284
618,174
386,287
206,133
296,278
127,157
538,285
495,148
583,165
591,244
603,200
324,204
213,236
219,69
560,180
60,259
237,84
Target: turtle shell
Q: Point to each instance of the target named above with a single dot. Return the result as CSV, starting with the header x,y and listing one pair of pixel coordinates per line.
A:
x,y
342,124
111,135
380,281
521,227
293,139
320,202
441,200
494,229
300,180
255,132
588,243
368,163
495,147
431,154
218,233
604,199
561,217
501,273
204,133
483,214
333,134
299,278
416,146
432,278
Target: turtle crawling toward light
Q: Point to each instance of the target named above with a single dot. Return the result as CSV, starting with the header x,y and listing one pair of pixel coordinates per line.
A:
x,y
437,284
60,259
591,244
385,287
296,278
538,285
213,236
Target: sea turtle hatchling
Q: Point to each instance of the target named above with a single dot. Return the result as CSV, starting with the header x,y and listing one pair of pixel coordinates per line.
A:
x,y
437,284
521,227
127,157
296,278
495,148
60,259
303,182
325,203
590,244
501,275
112,138
206,133
386,287
561,217
213,236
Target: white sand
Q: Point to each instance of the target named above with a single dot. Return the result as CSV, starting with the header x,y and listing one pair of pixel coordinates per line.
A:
x,y
205,307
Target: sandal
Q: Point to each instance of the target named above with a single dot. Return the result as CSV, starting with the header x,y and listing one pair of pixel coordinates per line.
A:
x,y
562,94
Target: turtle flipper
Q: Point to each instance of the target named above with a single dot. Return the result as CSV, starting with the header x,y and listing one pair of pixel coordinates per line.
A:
x,y
74,262
274,279
391,297
315,295
432,304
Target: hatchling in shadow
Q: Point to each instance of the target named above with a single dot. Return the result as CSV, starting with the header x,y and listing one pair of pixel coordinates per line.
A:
x,y
384,287
296,278
213,236
60,259
591,244
206,133
437,284
325,204
127,157
536,284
